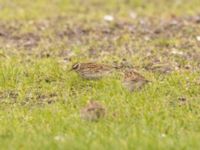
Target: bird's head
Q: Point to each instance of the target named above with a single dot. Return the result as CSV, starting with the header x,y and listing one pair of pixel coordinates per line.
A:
x,y
75,67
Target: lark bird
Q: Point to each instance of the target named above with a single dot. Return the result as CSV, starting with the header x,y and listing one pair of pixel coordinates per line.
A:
x,y
92,70
133,80
93,111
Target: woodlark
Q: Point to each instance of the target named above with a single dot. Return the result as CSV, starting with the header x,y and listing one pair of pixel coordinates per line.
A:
x,y
93,111
133,80
92,70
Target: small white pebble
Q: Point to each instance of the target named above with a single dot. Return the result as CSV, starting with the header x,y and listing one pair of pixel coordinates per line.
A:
x,y
133,15
147,38
198,38
108,18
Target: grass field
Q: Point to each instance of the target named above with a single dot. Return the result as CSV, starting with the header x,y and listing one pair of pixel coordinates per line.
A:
x,y
40,101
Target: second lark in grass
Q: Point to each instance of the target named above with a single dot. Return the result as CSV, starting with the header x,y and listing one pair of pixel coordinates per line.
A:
x,y
133,80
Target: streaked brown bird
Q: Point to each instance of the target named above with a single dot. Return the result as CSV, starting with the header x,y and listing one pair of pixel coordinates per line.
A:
x,y
92,70
93,111
133,80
